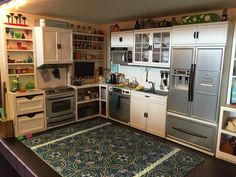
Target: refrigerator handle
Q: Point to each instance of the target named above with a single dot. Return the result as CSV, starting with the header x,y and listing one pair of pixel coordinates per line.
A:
x,y
190,84
192,81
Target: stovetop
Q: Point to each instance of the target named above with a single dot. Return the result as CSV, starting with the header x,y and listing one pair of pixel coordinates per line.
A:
x,y
57,90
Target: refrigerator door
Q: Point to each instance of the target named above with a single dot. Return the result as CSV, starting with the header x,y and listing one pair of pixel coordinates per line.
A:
x,y
178,98
206,84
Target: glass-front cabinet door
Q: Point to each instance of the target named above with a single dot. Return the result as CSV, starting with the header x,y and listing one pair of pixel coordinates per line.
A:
x,y
161,48
142,47
152,48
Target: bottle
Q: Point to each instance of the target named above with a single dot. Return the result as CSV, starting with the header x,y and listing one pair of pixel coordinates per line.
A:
x,y
224,16
137,26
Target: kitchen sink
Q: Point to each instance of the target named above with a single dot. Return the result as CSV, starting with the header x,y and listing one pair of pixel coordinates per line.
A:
x,y
157,92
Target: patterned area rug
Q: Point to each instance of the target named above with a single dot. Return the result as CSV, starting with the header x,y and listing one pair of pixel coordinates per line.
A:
x,y
97,148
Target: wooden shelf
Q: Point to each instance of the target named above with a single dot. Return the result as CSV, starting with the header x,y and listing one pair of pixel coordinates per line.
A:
x,y
76,60
20,64
90,50
77,40
87,34
17,39
88,101
17,50
227,132
26,74
103,100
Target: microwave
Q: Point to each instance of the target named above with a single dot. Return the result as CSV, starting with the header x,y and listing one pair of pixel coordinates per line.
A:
x,y
120,55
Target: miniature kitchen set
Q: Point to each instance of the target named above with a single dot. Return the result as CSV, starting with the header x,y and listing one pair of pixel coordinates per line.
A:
x,y
57,73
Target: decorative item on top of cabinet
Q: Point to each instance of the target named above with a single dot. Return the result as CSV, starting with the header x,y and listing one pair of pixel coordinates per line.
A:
x,y
152,47
54,45
19,19
88,47
20,56
200,34
226,142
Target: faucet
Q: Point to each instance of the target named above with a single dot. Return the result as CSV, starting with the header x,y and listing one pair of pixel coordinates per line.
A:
x,y
152,87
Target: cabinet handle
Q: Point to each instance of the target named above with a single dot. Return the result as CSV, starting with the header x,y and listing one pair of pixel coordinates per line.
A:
x,y
58,46
147,96
194,35
121,39
30,97
197,35
150,47
145,115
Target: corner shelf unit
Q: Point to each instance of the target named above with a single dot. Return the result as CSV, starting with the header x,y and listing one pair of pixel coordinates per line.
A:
x,y
226,142
19,56
88,47
91,101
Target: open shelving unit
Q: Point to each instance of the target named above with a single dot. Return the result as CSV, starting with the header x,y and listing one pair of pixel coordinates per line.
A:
x,y
20,56
226,144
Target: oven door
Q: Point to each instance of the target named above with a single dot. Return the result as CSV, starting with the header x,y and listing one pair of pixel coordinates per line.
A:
x,y
60,105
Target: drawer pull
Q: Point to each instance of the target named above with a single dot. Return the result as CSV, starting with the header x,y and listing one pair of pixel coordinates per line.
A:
x,y
147,96
30,97
189,133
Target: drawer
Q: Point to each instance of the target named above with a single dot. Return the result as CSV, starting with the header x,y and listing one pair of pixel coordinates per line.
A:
x,y
29,104
31,123
195,133
149,96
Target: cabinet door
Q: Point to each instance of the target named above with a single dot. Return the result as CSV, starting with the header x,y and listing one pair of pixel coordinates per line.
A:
x,y
65,46
142,48
122,39
183,35
160,48
137,109
212,34
50,46
156,120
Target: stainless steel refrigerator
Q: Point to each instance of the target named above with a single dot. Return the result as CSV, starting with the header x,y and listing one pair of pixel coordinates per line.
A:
x,y
193,101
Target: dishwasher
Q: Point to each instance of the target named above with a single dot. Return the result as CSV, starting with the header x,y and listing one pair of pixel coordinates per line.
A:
x,y
119,104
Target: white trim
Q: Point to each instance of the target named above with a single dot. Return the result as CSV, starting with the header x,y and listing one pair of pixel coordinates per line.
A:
x,y
68,136
158,162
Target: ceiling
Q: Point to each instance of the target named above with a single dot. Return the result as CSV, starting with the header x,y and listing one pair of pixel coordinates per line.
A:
x,y
113,11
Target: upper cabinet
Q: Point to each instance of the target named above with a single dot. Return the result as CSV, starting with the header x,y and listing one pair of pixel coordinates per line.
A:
x,y
152,48
53,45
200,34
122,39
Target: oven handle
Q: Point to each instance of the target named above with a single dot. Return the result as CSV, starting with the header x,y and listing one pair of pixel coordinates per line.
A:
x,y
61,97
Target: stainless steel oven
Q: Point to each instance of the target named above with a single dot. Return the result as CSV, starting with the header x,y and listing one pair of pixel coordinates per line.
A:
x,y
60,106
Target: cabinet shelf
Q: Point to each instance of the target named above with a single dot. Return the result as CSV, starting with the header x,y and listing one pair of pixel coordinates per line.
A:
x,y
87,34
26,74
20,64
84,60
76,40
103,100
90,50
17,50
228,132
17,39
87,101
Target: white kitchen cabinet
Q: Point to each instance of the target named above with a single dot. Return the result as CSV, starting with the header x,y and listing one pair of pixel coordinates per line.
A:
x,y
53,45
27,110
200,34
122,39
148,112
152,47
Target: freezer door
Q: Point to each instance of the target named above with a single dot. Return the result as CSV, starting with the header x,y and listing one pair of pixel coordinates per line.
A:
x,y
182,58
207,83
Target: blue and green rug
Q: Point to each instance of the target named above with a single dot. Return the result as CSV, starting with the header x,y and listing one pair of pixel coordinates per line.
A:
x,y
97,148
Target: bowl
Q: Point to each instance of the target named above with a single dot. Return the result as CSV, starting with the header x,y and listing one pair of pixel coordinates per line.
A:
x,y
18,35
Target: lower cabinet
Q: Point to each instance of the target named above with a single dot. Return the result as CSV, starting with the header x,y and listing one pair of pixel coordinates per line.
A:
x,y
148,112
27,111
